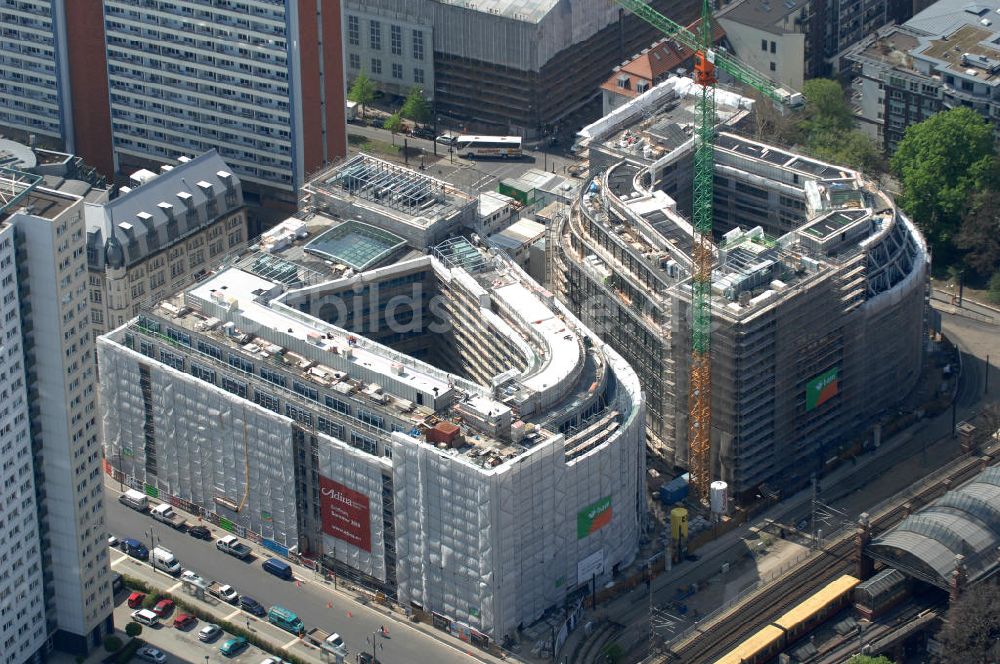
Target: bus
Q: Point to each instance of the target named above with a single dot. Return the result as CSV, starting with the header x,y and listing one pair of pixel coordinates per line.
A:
x,y
488,146
285,619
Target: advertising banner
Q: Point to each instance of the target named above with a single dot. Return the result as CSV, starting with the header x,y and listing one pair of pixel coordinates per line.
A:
x,y
822,388
593,517
345,514
592,565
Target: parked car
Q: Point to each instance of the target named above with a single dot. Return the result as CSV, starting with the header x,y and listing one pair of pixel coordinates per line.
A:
x,y
184,620
135,548
163,607
366,658
447,139
234,547
135,600
279,568
146,617
252,606
200,532
234,646
423,132
113,541
209,633
189,576
151,654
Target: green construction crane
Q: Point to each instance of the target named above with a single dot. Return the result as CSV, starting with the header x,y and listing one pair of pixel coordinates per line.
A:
x,y
706,60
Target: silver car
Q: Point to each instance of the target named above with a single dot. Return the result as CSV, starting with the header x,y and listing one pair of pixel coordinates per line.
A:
x,y
209,633
151,654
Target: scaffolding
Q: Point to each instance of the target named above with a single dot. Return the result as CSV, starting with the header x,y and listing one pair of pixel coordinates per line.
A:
x,y
457,252
15,186
387,184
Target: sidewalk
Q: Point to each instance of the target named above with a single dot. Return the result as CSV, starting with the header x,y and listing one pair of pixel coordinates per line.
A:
x,y
345,590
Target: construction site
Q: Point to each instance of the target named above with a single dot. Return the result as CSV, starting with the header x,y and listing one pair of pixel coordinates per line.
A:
x,y
816,289
434,428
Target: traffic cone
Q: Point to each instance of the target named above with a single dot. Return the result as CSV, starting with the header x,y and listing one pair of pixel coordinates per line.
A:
x,y
329,605
350,615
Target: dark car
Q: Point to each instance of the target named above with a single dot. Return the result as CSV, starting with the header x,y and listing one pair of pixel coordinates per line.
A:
x,y
252,606
200,532
423,132
366,658
135,548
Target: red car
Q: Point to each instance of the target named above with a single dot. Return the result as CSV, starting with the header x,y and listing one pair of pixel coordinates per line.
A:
x,y
163,607
183,620
135,600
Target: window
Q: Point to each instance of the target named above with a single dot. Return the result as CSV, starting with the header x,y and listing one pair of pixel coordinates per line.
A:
x,y
236,387
774,67
266,400
376,66
365,443
353,31
272,376
204,373
147,348
337,405
305,390
329,427
397,70
376,421
418,75
763,44
354,60
774,47
396,36
178,336
210,350
238,362
170,359
299,415
375,35
418,45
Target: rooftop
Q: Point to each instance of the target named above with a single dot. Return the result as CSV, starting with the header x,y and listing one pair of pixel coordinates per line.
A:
x,y
970,50
357,245
945,16
529,11
766,15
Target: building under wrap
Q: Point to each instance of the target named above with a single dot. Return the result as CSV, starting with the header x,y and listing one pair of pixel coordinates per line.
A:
x,y
440,428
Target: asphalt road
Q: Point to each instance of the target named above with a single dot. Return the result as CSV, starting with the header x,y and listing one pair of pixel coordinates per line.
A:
x,y
473,176
308,598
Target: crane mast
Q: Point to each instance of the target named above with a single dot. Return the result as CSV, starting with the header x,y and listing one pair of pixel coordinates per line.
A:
x,y
706,59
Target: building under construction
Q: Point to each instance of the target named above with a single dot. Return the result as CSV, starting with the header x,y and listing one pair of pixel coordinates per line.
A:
x,y
435,428
818,290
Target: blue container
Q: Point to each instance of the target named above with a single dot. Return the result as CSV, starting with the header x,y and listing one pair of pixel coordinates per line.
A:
x,y
675,490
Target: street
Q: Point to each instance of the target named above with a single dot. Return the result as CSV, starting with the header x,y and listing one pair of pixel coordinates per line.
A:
x,y
472,176
312,599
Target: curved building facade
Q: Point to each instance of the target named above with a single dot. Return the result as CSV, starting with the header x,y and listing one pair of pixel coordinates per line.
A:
x,y
818,294
441,427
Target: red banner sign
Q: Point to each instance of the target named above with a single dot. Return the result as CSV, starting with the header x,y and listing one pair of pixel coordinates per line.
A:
x,y
345,514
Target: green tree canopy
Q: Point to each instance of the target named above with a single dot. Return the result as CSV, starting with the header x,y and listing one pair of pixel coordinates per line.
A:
x,y
393,123
826,107
416,107
979,235
941,162
362,91
133,629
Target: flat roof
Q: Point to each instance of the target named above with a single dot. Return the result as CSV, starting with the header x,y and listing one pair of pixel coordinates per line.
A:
x,y
356,244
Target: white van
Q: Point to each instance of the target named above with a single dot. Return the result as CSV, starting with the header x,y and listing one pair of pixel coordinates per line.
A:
x,y
137,500
164,559
146,617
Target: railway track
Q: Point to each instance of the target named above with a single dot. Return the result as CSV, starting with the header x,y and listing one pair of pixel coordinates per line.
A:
x,y
716,636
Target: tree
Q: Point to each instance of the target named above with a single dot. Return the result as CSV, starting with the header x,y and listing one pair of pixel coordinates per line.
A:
x,y
362,91
865,659
826,108
416,107
993,290
112,643
393,123
971,632
133,629
941,162
979,234
827,129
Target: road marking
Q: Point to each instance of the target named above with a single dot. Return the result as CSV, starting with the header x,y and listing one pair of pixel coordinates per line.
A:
x,y
233,614
290,644
118,560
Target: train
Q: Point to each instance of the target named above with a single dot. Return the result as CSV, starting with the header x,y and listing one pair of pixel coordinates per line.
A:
x,y
765,644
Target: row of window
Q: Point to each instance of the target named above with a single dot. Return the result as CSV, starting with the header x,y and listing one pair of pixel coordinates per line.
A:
x,y
354,61
375,37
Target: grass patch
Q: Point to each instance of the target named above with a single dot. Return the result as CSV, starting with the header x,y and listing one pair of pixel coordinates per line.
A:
x,y
374,146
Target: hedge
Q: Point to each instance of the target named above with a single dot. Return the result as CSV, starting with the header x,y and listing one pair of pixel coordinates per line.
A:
x,y
236,630
128,652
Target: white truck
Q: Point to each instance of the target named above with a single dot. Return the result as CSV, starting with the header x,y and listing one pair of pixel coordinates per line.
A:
x,y
351,111
164,513
165,560
137,500
233,546
224,592
327,641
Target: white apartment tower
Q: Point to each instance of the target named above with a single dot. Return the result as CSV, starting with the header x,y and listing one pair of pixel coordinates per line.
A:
x,y
52,377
